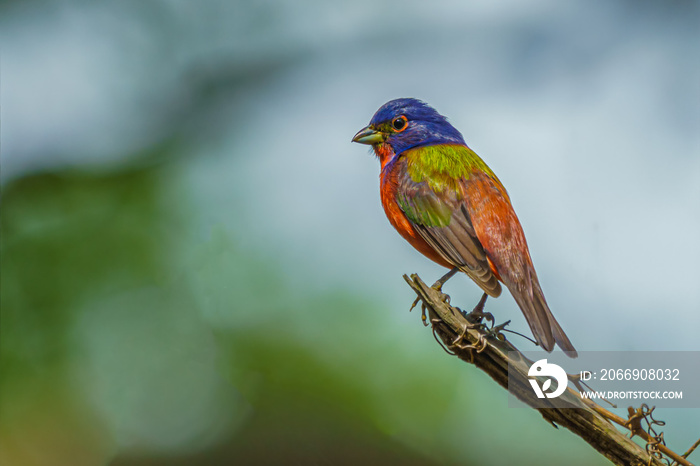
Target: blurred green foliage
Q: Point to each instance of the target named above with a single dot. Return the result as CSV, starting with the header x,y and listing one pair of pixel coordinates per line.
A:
x,y
90,305
127,338
66,238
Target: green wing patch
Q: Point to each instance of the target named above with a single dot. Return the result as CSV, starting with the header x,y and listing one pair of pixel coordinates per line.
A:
x,y
443,166
428,211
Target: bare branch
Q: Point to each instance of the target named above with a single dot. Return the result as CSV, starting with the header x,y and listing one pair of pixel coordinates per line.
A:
x,y
464,337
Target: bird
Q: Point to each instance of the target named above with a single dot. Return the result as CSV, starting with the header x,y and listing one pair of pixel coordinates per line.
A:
x,y
449,205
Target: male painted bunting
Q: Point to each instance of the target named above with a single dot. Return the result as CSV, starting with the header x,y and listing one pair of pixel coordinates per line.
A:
x,y
444,200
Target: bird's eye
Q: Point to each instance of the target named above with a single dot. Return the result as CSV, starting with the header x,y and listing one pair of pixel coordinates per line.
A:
x,y
399,123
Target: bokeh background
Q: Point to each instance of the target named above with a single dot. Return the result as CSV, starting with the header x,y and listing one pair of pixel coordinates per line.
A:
x,y
196,268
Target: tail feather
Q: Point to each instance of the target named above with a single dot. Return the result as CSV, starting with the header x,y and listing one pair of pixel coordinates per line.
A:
x,y
544,326
561,338
537,318
557,332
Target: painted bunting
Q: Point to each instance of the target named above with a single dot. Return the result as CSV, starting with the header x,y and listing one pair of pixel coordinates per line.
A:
x,y
449,205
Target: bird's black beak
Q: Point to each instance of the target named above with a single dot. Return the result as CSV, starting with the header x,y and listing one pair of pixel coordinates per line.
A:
x,y
368,135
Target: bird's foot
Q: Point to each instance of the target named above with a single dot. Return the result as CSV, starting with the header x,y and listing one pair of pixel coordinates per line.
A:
x,y
423,315
445,298
437,286
479,308
478,313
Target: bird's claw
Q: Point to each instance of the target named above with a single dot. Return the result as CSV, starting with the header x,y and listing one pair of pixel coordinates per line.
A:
x,y
424,315
437,286
423,309
479,308
445,298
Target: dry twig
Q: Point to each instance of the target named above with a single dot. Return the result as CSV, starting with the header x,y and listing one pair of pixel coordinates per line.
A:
x,y
464,337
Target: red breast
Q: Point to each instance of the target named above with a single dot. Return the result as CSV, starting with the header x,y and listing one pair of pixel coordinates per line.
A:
x,y
387,190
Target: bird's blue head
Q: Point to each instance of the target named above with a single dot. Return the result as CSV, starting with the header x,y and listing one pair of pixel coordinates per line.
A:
x,y
407,123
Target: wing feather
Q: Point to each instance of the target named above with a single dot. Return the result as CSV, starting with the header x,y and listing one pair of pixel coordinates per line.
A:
x,y
469,221
502,237
442,220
